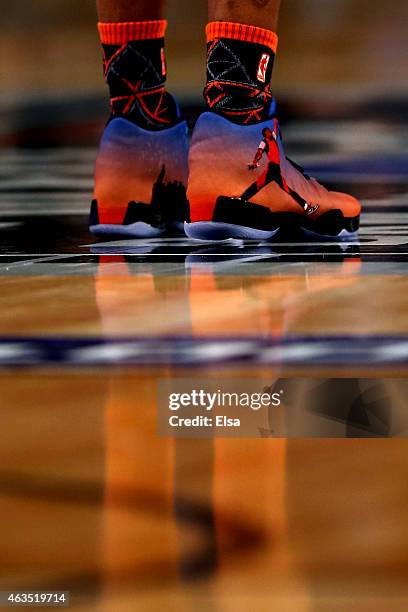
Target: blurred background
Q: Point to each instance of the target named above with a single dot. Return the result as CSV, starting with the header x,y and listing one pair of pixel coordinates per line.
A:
x,y
335,49
340,80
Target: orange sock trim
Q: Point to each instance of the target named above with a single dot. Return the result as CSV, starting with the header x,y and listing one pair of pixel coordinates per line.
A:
x,y
121,33
240,31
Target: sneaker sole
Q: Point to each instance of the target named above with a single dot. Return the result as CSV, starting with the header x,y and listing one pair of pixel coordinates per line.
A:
x,y
331,226
137,223
342,236
233,218
135,230
213,230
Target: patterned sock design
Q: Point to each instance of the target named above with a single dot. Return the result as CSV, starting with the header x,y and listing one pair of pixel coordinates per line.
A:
x,y
239,70
135,71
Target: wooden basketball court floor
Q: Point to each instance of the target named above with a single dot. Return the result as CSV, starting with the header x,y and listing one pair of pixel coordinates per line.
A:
x,y
94,502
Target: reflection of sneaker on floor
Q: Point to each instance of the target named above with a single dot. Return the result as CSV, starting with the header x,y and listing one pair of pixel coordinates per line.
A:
x,y
282,194
141,169
230,257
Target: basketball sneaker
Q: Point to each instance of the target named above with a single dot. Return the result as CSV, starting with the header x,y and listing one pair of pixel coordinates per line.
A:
x,y
142,165
140,181
227,202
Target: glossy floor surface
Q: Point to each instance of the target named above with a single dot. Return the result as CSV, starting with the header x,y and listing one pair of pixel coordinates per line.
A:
x,y
94,502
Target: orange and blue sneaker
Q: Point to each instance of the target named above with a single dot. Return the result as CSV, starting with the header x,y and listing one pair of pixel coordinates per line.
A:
x,y
226,202
142,165
140,181
240,136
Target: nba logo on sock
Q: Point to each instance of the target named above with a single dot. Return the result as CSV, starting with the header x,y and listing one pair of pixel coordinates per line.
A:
x,y
163,61
263,67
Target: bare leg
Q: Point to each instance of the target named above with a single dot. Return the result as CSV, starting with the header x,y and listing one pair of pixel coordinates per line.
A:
x,y
111,11
260,13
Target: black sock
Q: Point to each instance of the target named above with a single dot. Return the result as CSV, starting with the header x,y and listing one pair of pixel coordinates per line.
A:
x,y
135,71
239,70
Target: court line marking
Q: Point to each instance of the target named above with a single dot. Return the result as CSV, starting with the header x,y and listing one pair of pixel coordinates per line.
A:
x,y
203,255
30,262
193,351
